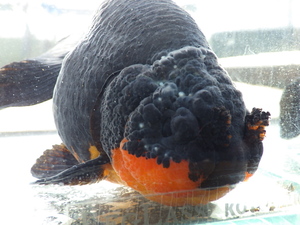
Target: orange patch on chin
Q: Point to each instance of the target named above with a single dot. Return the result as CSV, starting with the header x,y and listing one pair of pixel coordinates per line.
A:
x,y
169,186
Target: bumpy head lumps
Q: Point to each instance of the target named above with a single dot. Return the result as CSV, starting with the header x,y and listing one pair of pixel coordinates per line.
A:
x,y
183,107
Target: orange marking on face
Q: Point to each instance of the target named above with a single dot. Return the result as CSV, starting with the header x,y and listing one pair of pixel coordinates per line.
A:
x,y
228,122
253,127
259,127
169,186
262,135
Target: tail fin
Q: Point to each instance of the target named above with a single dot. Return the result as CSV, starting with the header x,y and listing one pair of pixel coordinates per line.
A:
x,y
27,82
32,81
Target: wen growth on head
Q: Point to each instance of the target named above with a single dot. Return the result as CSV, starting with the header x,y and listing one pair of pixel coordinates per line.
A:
x,y
142,101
